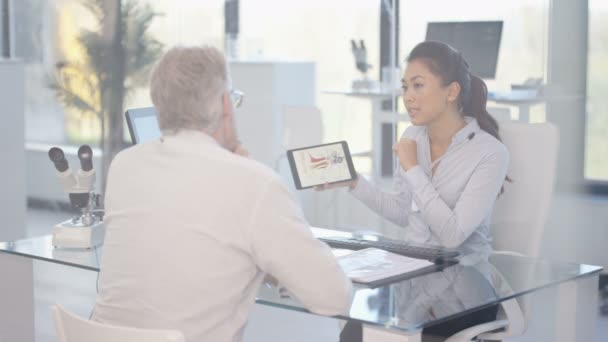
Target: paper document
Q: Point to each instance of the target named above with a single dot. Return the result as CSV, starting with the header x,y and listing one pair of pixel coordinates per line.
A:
x,y
371,264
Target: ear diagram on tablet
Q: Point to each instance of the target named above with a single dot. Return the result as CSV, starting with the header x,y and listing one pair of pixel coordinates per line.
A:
x,y
320,164
332,158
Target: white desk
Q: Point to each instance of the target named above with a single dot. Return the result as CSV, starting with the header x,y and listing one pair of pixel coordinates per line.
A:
x,y
524,100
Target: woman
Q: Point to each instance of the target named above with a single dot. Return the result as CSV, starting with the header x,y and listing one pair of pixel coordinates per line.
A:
x,y
452,164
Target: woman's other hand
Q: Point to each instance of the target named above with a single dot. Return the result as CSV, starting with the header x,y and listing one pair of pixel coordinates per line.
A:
x,y
406,150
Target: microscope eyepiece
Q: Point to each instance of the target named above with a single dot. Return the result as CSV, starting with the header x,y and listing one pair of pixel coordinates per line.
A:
x,y
85,154
58,158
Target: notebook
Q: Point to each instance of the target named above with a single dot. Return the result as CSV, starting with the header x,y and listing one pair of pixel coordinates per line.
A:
x,y
375,267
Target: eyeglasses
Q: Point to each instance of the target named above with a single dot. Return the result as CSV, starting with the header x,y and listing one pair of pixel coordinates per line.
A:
x,y
236,96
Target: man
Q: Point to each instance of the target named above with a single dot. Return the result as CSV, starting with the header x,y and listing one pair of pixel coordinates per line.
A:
x,y
193,227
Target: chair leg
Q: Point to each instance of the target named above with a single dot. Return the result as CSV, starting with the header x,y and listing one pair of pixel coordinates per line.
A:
x,y
604,301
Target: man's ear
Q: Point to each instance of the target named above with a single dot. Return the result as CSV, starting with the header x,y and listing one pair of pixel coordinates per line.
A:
x,y
453,91
226,106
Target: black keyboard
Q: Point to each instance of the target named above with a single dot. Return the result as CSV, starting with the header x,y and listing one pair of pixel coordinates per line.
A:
x,y
432,253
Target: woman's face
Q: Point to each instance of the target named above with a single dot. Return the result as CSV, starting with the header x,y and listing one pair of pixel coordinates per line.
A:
x,y
424,95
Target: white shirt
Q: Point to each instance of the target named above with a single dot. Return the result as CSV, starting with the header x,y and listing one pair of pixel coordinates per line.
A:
x,y
191,231
453,207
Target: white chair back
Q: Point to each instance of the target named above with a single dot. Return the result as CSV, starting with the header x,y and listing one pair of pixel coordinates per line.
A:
x,y
520,213
519,217
71,328
500,114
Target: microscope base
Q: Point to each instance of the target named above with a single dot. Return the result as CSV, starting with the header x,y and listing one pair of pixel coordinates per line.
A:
x,y
75,235
365,85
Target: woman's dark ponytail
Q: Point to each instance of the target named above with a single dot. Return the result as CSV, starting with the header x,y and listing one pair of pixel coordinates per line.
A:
x,y
476,107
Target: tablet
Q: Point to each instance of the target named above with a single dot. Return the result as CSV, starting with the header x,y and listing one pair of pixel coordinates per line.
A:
x,y
320,164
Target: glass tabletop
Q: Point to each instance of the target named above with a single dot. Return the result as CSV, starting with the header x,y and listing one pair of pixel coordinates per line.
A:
x,y
476,282
41,248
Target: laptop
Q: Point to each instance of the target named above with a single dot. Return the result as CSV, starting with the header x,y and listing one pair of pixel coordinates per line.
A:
x,y
142,124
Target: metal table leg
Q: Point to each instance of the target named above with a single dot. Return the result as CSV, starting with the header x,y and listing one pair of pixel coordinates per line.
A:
x,y
380,334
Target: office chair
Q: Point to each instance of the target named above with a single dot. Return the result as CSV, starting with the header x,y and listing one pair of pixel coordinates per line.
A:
x,y
521,211
71,328
523,208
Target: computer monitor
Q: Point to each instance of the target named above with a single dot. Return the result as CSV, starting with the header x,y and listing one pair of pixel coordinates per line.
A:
x,y
478,41
143,124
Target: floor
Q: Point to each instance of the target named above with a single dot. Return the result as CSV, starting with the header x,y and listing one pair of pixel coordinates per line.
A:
x,y
75,289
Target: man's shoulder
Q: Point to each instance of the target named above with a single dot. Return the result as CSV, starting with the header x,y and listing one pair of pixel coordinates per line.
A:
x,y
216,161
253,168
131,153
124,155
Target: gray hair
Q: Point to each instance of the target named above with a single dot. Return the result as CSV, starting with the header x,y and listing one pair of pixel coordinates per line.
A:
x,y
186,88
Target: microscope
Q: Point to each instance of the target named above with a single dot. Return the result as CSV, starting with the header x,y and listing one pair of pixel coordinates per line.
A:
x,y
86,230
360,53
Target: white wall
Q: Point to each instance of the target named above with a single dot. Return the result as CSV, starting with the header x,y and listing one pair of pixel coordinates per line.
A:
x,y
577,230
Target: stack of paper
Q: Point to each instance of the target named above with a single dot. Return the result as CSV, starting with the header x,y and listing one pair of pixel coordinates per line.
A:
x,y
372,264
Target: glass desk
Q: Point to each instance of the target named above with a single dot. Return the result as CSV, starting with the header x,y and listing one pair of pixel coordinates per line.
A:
x,y
398,311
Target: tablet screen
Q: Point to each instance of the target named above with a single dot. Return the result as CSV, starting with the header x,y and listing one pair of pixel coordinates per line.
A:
x,y
315,165
147,129
143,124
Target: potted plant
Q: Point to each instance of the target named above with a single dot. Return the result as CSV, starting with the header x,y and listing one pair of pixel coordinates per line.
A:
x,y
117,56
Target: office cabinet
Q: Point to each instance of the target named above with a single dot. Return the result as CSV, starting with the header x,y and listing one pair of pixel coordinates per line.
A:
x,y
12,141
269,85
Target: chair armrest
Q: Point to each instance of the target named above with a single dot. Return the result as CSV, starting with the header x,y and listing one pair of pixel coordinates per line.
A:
x,y
510,323
472,332
508,253
361,153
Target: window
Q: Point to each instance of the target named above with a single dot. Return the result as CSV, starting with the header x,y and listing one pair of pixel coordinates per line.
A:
x,y
596,143
47,36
